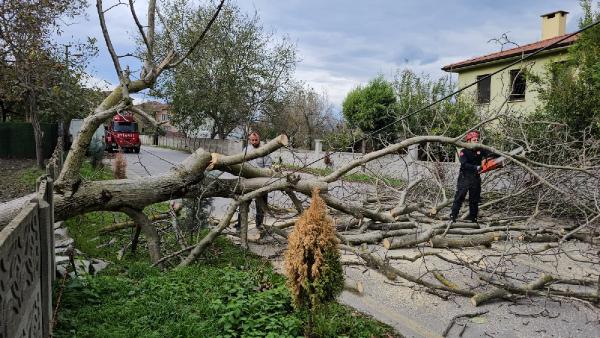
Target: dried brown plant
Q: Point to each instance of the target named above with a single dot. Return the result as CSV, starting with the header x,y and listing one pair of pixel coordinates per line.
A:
x,y
120,166
312,260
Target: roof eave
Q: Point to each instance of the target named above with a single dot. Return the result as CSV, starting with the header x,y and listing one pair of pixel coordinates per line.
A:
x,y
500,60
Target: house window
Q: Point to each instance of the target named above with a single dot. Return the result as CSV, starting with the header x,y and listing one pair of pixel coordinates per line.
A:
x,y
518,85
483,88
164,117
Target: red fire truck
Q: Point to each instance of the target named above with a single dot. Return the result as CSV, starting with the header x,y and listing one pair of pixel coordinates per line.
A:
x,y
122,133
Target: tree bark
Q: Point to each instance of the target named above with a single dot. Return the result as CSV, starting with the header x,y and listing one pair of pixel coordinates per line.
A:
x,y
149,231
243,219
392,226
497,293
4,109
466,241
38,134
354,286
409,240
129,224
374,237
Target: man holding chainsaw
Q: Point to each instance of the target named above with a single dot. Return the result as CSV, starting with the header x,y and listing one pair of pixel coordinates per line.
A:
x,y
469,181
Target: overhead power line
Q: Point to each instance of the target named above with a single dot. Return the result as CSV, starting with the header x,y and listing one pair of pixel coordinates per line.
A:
x,y
519,60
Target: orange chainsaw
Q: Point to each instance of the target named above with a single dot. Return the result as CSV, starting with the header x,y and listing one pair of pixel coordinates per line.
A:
x,y
490,164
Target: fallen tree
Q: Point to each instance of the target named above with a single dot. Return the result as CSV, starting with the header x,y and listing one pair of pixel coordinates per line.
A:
x,y
412,218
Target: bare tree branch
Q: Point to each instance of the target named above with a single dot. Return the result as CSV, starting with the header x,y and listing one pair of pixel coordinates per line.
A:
x,y
139,24
108,41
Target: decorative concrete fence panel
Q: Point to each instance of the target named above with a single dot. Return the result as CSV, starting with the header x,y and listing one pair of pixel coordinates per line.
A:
x,y
403,166
26,269
226,147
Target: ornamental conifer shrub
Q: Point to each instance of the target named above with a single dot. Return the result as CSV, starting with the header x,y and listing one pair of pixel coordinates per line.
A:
x,y
312,261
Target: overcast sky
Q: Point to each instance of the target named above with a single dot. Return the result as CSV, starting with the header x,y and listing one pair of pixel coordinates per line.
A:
x,y
342,44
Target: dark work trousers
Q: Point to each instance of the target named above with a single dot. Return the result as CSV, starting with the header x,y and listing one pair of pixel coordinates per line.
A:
x,y
261,205
467,184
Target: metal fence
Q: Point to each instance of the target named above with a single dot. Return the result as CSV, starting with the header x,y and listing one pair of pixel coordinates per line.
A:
x,y
17,141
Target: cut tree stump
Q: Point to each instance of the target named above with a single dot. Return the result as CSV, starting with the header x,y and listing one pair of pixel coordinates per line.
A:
x,y
354,286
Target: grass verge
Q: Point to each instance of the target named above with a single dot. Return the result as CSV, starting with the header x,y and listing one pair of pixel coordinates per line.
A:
x,y
30,175
228,293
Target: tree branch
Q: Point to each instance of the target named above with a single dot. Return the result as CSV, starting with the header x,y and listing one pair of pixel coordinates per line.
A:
x,y
149,231
200,37
139,24
108,41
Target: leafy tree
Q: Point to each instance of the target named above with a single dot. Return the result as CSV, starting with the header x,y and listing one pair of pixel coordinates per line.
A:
x,y
67,98
569,92
228,82
449,117
301,112
29,67
382,104
371,108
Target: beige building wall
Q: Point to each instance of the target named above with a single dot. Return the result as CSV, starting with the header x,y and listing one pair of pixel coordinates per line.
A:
x,y
500,83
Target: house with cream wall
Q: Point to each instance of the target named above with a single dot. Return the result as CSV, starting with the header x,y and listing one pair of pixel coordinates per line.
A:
x,y
510,90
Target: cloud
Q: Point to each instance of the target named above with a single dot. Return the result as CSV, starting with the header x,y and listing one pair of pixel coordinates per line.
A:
x,y
92,81
343,44
346,44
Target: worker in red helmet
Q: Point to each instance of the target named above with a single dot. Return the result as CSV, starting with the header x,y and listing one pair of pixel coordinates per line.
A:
x,y
469,180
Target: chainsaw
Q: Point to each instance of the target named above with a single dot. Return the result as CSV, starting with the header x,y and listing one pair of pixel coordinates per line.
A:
x,y
490,164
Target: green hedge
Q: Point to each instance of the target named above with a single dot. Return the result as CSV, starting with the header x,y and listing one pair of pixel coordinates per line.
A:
x,y
17,141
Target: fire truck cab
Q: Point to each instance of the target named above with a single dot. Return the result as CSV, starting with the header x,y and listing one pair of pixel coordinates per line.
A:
x,y
122,133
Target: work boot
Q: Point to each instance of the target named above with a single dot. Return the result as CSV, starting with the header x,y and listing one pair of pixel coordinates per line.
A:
x,y
261,230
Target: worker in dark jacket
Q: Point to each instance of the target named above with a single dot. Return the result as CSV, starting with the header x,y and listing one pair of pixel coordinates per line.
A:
x,y
261,201
469,180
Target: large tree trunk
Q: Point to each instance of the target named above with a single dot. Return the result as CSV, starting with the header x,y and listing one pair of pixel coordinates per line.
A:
x,y
38,134
309,129
66,123
3,107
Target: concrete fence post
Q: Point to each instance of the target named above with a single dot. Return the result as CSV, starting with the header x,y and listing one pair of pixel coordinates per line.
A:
x,y
318,147
47,267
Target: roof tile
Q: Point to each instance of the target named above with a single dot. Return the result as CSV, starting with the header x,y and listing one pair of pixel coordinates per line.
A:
x,y
525,49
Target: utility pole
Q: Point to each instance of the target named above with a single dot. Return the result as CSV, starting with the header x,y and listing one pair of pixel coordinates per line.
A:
x,y
62,127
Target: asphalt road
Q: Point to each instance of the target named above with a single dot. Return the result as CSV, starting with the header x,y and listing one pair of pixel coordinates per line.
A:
x,y
152,161
411,311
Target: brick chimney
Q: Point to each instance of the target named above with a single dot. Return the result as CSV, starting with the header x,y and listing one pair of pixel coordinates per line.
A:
x,y
554,24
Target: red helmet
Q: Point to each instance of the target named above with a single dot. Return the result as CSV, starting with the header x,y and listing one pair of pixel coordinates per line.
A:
x,y
472,134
